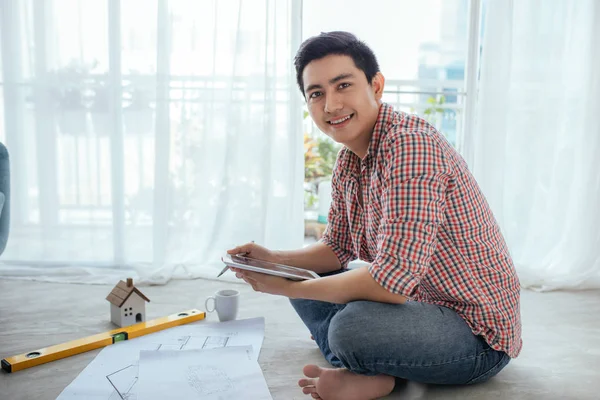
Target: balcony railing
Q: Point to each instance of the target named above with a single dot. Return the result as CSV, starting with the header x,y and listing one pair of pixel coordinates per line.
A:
x,y
82,178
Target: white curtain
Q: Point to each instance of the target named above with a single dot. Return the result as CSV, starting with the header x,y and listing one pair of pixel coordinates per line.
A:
x,y
536,148
151,135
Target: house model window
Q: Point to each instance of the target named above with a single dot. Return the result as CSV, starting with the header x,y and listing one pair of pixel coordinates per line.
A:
x,y
127,304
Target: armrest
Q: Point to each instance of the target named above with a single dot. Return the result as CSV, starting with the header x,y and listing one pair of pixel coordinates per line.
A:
x,y
4,196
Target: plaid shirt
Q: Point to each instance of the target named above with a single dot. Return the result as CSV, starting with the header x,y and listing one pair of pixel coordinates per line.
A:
x,y
413,210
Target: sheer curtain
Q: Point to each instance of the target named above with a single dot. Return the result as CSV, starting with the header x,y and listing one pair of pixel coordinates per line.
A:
x,y
148,134
536,150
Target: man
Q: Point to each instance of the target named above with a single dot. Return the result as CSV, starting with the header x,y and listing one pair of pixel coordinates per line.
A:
x,y
439,301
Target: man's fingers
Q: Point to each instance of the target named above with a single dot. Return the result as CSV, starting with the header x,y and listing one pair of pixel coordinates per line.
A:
x,y
248,277
252,275
245,248
251,282
235,250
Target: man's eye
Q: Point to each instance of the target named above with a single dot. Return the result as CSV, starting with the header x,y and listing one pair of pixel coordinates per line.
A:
x,y
315,95
344,85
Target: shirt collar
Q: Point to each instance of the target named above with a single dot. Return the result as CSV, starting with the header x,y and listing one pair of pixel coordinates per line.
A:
x,y
385,118
350,162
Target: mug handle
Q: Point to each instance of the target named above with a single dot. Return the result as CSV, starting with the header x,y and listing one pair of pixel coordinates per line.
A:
x,y
214,304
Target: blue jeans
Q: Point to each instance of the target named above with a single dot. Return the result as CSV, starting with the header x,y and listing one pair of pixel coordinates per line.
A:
x,y
414,341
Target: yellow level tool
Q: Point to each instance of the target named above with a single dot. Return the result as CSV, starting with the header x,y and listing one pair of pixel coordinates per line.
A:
x,y
56,352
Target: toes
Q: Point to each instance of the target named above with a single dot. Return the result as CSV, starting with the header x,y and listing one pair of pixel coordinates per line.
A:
x,y
312,371
309,390
306,382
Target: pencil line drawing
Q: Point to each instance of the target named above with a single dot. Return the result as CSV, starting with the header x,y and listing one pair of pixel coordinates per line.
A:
x,y
123,380
213,342
208,380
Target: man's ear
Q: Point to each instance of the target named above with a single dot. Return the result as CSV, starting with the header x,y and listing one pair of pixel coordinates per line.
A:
x,y
378,84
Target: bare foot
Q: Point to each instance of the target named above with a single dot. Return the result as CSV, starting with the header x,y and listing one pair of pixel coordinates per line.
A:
x,y
341,384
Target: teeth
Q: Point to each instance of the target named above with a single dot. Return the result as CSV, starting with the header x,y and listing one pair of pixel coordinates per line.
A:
x,y
339,121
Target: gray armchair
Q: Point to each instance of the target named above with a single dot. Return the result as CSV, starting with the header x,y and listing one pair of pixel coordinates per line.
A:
x,y
4,197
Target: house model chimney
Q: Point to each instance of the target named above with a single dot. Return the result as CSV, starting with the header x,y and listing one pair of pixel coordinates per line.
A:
x,y
129,282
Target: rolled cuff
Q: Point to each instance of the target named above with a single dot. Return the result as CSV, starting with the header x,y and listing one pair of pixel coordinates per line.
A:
x,y
394,275
343,255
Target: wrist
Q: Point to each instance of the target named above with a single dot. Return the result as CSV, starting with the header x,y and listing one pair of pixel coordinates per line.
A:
x,y
296,289
277,257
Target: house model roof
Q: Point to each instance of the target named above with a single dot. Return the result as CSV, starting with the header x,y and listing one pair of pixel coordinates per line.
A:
x,y
122,291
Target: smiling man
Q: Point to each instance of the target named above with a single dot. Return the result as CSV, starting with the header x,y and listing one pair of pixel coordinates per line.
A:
x,y
439,301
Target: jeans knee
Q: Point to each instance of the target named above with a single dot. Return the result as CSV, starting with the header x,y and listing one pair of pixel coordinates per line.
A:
x,y
347,335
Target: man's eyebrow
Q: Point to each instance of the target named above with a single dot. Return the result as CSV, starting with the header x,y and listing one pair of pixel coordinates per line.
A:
x,y
313,86
340,77
331,81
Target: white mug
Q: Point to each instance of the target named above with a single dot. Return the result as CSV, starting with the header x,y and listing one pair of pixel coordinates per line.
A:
x,y
226,303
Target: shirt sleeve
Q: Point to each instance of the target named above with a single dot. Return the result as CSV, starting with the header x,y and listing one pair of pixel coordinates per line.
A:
x,y
416,179
337,234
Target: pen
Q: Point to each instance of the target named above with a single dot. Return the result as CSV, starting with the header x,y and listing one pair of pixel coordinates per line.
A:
x,y
227,266
222,272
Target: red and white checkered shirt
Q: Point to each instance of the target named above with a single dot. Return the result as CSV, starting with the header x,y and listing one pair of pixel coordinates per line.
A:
x,y
425,227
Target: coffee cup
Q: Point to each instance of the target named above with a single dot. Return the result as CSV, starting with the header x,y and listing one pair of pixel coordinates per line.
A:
x,y
225,302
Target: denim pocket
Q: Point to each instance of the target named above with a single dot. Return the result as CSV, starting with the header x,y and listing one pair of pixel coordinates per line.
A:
x,y
497,367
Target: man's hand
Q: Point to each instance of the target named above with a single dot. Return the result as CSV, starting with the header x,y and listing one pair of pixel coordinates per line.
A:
x,y
260,282
253,250
265,283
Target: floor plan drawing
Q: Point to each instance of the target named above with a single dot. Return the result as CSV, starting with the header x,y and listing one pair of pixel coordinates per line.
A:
x,y
223,373
113,374
123,380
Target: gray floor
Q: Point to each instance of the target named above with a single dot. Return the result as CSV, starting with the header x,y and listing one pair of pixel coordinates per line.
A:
x,y
559,358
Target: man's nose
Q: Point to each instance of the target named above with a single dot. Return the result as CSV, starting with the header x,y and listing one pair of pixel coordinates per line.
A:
x,y
333,103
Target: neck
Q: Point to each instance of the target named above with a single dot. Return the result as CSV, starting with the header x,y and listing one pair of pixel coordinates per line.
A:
x,y
361,145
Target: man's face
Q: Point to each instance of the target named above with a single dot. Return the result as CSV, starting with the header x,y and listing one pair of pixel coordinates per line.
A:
x,y
341,101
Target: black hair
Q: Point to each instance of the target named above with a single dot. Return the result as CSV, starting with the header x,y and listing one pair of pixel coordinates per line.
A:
x,y
339,43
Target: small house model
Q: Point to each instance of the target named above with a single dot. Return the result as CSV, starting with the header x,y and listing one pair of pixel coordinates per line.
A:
x,y
127,304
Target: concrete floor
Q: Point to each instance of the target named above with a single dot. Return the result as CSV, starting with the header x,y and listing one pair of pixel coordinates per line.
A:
x,y
561,332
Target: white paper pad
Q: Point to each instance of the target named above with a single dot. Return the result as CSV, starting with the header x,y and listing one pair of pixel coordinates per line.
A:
x,y
215,374
113,374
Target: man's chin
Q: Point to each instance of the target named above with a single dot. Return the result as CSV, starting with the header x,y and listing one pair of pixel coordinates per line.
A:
x,y
341,137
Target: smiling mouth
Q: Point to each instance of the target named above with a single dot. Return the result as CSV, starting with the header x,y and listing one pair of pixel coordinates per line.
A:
x,y
340,120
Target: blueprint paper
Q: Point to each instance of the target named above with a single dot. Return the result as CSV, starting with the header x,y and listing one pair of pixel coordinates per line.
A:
x,y
216,374
113,374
